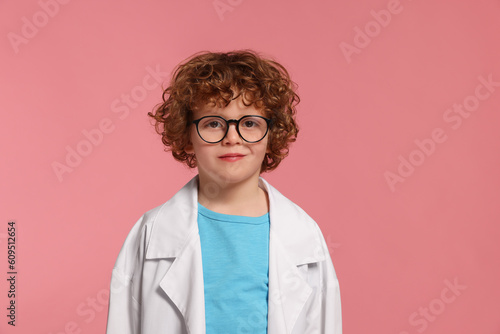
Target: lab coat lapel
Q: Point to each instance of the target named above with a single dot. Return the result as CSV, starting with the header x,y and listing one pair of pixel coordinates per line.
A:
x,y
175,235
292,242
183,284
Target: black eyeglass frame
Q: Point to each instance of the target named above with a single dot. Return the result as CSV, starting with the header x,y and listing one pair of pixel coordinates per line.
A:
x,y
228,122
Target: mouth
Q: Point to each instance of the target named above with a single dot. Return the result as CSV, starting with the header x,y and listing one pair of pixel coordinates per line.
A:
x,y
231,156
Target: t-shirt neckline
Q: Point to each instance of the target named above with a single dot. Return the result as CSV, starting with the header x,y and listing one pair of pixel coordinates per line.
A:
x,y
232,218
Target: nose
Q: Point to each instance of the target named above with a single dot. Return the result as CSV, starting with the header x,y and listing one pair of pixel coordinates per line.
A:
x,y
232,136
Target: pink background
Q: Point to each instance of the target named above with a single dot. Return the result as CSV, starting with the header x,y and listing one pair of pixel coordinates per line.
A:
x,y
370,92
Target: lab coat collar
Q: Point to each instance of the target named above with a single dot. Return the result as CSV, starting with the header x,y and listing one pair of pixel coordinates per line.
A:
x,y
177,220
293,241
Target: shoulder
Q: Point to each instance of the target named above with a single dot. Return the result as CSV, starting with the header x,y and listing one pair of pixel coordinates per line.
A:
x,y
284,204
146,221
133,246
297,231
162,230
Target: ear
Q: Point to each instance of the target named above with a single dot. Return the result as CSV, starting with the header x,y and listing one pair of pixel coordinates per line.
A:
x,y
268,148
189,148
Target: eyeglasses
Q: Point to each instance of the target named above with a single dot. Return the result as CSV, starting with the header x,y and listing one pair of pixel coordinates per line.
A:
x,y
251,128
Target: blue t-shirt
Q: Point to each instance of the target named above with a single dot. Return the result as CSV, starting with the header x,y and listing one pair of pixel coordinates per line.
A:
x,y
235,257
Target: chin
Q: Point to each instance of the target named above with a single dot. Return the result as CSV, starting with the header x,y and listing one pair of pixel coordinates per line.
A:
x,y
232,176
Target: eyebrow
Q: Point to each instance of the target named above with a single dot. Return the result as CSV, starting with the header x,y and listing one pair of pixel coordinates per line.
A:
x,y
209,109
227,119
218,112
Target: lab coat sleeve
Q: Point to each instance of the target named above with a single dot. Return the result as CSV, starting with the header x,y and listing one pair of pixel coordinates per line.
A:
x,y
124,309
330,315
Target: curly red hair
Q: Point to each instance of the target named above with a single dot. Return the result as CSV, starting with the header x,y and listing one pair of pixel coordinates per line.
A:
x,y
211,77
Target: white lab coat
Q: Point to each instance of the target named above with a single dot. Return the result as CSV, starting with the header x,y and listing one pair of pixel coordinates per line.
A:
x,y
157,281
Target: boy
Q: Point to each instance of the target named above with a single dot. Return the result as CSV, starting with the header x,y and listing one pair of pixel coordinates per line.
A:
x,y
227,253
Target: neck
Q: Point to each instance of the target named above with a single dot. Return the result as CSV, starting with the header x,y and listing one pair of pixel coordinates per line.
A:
x,y
244,198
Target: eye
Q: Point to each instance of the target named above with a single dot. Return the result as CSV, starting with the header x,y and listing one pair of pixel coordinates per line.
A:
x,y
212,123
249,124
252,123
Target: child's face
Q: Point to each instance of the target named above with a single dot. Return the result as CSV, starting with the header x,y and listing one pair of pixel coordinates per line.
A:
x,y
212,165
